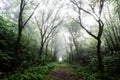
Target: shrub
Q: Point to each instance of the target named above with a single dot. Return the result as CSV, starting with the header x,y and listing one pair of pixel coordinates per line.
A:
x,y
32,73
112,66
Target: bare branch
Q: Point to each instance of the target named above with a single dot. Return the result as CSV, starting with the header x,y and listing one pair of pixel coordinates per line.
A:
x,y
79,8
39,27
53,28
31,15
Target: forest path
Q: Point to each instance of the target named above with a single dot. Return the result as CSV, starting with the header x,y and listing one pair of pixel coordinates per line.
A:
x,y
62,72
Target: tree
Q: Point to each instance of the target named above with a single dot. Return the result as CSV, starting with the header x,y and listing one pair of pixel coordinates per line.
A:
x,y
22,24
47,23
97,16
111,34
117,7
73,29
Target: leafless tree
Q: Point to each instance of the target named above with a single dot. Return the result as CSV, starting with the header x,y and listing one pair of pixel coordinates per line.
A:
x,y
112,32
97,17
47,25
73,30
22,23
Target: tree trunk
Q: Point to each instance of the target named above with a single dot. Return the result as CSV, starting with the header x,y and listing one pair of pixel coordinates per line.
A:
x,y
17,47
78,58
54,56
20,27
46,53
40,51
100,62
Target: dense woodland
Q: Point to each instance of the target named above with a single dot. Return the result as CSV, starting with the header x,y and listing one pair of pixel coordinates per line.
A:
x,y
38,36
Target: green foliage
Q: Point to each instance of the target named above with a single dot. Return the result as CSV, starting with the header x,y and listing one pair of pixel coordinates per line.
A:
x,y
51,65
5,61
32,73
7,57
8,61
62,64
117,7
28,54
87,73
112,66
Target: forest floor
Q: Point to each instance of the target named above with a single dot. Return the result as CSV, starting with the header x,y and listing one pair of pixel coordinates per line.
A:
x,y
62,72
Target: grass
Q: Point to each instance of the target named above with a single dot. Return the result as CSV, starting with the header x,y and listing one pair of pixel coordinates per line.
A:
x,y
61,64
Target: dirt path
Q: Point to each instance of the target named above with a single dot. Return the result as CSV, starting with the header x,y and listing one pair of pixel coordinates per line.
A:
x,y
62,73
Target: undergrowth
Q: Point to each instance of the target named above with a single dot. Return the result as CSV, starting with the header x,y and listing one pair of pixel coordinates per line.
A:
x,y
86,73
32,73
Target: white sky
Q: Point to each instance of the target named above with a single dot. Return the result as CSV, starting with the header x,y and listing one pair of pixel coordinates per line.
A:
x,y
1,5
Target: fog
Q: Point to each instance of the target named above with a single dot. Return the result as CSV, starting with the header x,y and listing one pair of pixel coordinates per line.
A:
x,y
65,10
